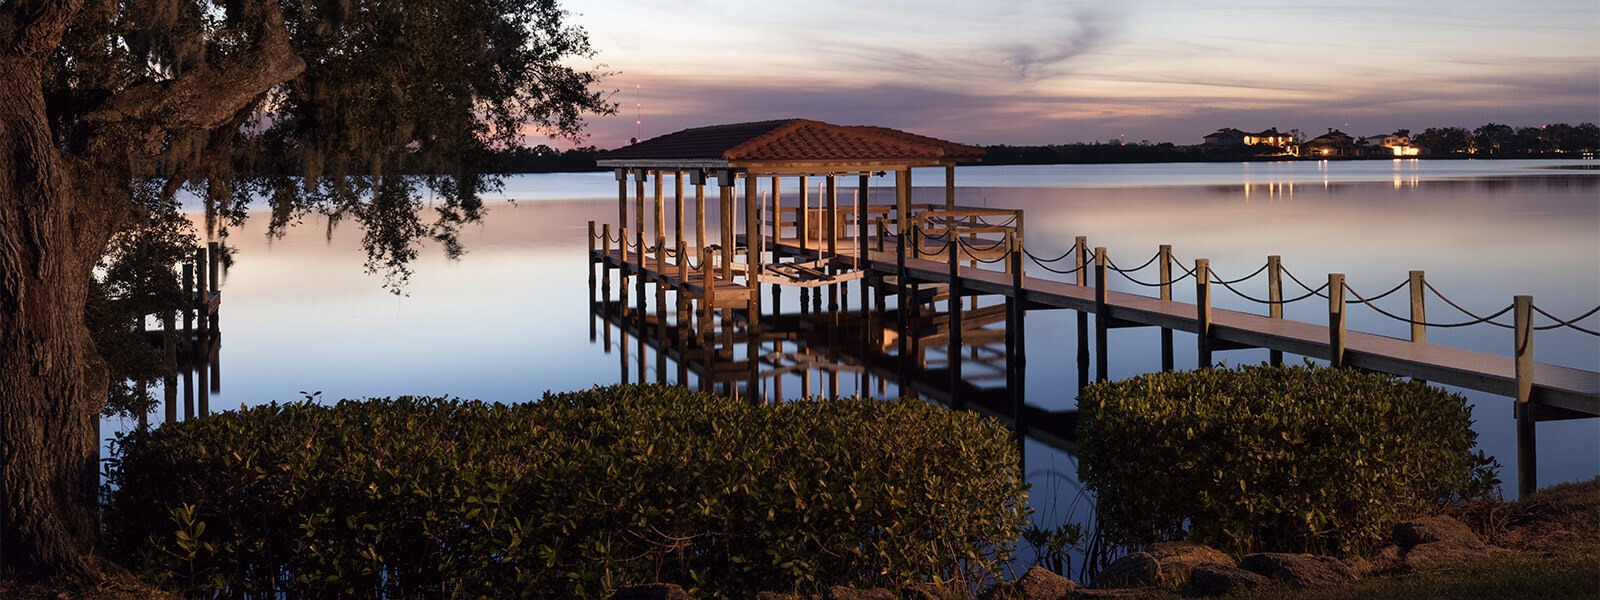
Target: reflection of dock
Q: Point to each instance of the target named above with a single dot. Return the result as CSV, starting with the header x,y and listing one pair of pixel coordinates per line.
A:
x,y
190,339
921,256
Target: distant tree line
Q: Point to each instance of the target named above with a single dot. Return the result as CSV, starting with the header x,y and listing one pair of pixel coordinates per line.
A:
x,y
543,159
1505,141
1114,152
1491,140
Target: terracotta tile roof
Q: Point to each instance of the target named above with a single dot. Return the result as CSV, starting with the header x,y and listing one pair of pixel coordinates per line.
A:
x,y
792,140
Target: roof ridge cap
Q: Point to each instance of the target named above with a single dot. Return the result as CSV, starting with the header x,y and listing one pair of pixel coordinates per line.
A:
x,y
757,141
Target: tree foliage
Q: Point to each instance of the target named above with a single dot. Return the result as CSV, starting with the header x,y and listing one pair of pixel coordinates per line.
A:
x,y
400,108
370,111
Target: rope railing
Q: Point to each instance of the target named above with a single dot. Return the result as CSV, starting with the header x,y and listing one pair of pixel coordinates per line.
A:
x,y
1369,301
1215,279
1125,272
1319,291
1113,266
1476,317
1316,292
1572,323
1046,264
973,249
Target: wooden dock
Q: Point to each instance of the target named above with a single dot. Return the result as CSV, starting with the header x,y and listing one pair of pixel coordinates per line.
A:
x,y
925,254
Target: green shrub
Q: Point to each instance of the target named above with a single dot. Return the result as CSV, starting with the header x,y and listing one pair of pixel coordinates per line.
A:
x,y
1297,459
567,497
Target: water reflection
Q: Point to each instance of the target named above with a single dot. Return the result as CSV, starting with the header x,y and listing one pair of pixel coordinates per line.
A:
x,y
509,320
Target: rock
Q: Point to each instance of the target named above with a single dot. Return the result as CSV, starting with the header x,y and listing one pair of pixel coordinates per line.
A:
x,y
1112,594
1132,570
1037,584
1165,564
651,591
840,592
1430,529
931,591
1432,554
1387,558
1302,570
1216,580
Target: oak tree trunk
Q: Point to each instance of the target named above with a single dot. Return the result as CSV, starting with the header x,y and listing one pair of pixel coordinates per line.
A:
x,y
53,384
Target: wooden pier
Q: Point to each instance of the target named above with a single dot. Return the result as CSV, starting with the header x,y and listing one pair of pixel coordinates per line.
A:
x,y
922,254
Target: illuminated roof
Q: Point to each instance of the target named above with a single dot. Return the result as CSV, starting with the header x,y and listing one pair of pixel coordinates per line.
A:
x,y
789,143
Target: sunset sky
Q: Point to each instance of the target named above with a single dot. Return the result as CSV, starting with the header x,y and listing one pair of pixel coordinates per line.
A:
x,y
1056,71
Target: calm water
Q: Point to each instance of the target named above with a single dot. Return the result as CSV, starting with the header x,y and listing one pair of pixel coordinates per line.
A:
x,y
512,318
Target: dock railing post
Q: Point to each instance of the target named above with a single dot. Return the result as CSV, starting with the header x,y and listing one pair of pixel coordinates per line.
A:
x,y
1527,456
953,303
1102,317
1164,264
169,381
1080,258
188,341
1016,326
1336,319
1275,301
902,310
1419,310
1202,302
591,246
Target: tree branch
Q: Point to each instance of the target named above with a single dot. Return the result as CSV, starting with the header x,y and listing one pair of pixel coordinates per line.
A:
x,y
208,96
35,26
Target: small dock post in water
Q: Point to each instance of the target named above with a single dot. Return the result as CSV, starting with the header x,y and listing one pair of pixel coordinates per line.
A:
x,y
946,254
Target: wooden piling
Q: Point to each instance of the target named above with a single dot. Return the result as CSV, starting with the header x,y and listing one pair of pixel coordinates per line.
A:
x,y
1527,446
725,187
661,211
953,304
1202,301
1102,316
1419,309
1016,328
677,207
697,177
1080,258
169,381
1336,319
1164,269
1275,300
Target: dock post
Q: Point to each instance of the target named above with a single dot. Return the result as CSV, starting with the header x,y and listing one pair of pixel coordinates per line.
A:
x,y
1527,455
201,348
697,178
622,198
777,216
1080,254
902,308
661,306
169,381
1202,302
802,219
639,177
1016,326
1275,301
953,303
605,257
594,330
1102,316
708,289
1419,309
188,340
682,316
1164,266
661,209
622,273
677,206
725,187
213,264
831,197
1336,319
